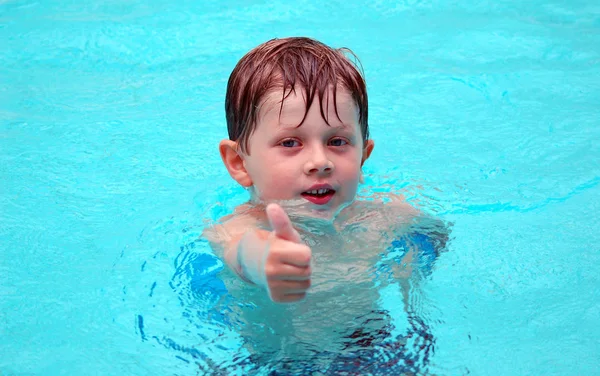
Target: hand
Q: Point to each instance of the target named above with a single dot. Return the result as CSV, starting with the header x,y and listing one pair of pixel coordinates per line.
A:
x,y
287,268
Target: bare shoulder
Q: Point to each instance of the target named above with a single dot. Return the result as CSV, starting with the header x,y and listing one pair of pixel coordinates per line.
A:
x,y
419,220
398,205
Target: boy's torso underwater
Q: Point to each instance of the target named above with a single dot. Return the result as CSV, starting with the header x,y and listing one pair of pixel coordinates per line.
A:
x,y
343,311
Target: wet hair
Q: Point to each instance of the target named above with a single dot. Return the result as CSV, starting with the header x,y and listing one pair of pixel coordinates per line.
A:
x,y
290,64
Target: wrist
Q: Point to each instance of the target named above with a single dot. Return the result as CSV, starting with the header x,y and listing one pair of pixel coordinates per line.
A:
x,y
251,253
239,268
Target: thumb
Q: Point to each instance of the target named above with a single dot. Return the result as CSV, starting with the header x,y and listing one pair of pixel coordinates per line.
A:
x,y
281,224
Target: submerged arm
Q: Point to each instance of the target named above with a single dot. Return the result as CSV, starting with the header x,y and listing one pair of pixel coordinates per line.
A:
x,y
276,260
234,239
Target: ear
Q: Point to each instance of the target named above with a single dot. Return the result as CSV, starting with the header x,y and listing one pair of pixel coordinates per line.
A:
x,y
367,149
232,158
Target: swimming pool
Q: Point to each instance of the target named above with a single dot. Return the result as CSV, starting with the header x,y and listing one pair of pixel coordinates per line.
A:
x,y
486,115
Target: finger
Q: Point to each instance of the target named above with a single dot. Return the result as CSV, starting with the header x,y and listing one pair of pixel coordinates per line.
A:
x,y
281,224
297,255
288,298
288,273
290,287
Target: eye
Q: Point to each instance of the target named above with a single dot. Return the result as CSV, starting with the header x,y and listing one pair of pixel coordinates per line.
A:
x,y
338,142
290,143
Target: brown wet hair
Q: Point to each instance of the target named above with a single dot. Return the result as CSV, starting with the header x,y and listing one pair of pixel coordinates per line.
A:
x,y
290,64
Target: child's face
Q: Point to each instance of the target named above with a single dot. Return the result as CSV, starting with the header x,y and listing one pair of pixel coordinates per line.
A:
x,y
315,162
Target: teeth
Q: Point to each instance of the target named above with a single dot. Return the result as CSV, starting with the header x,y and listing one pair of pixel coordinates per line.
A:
x,y
317,191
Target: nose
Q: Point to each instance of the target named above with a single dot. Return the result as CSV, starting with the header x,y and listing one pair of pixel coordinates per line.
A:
x,y
318,162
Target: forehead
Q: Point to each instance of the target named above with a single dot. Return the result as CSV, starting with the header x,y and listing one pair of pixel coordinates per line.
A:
x,y
289,108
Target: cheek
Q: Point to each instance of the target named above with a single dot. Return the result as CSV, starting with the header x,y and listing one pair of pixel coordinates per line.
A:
x,y
350,169
276,180
281,176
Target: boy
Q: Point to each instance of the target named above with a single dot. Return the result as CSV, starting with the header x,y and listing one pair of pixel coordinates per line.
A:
x,y
297,116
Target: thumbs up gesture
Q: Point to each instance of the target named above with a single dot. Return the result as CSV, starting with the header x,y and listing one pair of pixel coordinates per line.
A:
x,y
286,265
276,259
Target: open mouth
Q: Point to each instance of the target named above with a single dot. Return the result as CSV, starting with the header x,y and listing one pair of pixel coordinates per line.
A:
x,y
319,196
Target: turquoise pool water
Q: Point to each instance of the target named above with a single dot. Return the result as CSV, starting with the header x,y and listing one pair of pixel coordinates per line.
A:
x,y
486,115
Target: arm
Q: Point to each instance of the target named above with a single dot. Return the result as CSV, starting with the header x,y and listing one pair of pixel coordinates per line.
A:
x,y
275,260
416,238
